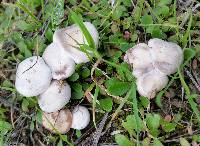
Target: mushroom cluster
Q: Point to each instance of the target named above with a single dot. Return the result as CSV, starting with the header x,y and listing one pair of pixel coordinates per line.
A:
x,y
43,77
152,63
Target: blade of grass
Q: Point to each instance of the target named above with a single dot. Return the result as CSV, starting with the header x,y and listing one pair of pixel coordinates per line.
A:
x,y
135,110
184,39
94,104
23,8
84,30
189,96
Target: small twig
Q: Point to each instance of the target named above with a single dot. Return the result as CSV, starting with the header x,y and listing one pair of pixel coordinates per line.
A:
x,y
7,103
98,133
192,79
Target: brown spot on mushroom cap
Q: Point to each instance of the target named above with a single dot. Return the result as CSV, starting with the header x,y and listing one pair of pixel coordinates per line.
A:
x,y
59,121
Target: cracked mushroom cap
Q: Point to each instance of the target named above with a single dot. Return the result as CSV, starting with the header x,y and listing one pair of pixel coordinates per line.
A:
x,y
59,121
55,97
61,64
150,83
167,56
33,76
70,37
81,117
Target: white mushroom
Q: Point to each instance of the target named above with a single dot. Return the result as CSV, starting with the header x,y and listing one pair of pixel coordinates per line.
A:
x,y
61,64
59,121
139,57
81,117
71,37
150,83
33,76
167,56
55,97
152,63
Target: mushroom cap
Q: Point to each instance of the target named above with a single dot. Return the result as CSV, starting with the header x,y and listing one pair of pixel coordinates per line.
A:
x,y
55,97
151,82
33,76
70,37
139,57
81,117
59,61
59,120
167,56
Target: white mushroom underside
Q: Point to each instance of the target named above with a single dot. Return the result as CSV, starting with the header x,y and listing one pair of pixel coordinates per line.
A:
x,y
33,76
55,97
81,117
70,39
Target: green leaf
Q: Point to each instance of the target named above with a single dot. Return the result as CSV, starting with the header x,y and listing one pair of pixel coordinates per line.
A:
x,y
119,11
25,104
39,116
22,25
158,33
146,19
60,143
106,104
130,124
49,35
78,91
23,49
78,133
117,87
156,142
74,77
168,127
164,2
145,101
85,73
5,126
184,142
153,121
189,53
122,140
146,141
58,12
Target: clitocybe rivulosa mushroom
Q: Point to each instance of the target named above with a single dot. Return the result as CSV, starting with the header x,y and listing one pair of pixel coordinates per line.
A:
x,y
152,63
151,82
55,97
139,57
59,121
61,64
167,56
33,76
81,117
71,37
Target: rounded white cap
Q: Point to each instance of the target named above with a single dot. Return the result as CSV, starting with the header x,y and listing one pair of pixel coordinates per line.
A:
x,y
70,37
61,64
139,57
168,56
150,83
33,76
55,97
81,117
